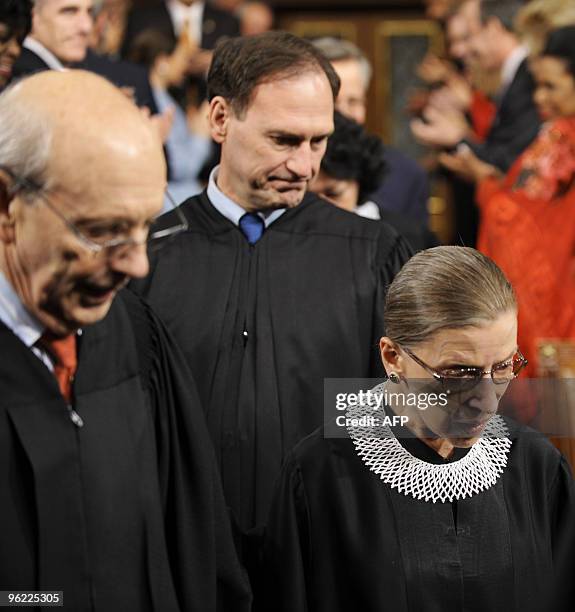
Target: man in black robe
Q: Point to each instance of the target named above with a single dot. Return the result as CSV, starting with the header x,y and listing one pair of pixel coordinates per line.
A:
x,y
109,487
271,290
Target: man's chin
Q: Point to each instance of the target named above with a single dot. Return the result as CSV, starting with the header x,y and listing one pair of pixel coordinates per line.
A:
x,y
74,56
87,311
288,198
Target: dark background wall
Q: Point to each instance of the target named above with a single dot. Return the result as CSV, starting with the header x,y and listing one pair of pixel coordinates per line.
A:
x,y
329,4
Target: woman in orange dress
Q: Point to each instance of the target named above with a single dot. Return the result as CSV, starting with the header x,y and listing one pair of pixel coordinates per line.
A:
x,y
528,216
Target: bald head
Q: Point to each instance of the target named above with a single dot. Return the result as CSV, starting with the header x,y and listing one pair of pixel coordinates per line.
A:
x,y
92,123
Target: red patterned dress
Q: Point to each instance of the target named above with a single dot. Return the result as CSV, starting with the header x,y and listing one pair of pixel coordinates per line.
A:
x,y
528,229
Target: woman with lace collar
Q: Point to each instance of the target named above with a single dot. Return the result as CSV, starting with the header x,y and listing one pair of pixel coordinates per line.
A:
x,y
459,510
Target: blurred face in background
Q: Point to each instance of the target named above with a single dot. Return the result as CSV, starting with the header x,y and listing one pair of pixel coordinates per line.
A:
x,y
485,45
344,193
437,9
63,27
555,87
351,100
256,18
10,47
458,37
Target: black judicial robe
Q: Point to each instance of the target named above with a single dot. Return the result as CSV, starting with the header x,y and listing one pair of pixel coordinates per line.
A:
x,y
339,539
262,326
125,513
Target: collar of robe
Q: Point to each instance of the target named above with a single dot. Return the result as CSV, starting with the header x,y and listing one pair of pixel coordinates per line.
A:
x,y
475,472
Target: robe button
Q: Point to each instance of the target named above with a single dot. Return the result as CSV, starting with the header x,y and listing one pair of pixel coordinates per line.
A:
x,y
229,439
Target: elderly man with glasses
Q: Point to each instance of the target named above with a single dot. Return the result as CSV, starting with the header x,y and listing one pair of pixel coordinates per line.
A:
x,y
110,493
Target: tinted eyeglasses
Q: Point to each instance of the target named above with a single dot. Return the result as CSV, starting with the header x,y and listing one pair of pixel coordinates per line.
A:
x,y
112,238
462,378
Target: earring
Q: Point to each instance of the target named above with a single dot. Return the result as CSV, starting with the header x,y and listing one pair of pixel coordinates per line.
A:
x,y
394,377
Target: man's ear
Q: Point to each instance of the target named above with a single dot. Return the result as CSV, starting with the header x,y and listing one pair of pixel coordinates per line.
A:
x,y
6,219
219,117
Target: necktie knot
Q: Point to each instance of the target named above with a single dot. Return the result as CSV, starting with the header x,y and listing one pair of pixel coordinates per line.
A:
x,y
252,226
63,352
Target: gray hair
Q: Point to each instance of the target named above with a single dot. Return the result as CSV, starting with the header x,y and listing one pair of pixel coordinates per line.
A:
x,y
504,10
25,137
339,50
447,287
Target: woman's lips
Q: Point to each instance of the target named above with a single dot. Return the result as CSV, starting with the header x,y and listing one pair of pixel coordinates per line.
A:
x,y
6,70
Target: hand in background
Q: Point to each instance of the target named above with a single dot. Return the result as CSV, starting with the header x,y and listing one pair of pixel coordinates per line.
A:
x,y
440,128
198,120
163,123
434,70
468,166
199,62
455,95
417,100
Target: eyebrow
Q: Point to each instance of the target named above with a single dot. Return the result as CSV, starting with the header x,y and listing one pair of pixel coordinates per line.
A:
x,y
463,365
111,220
299,137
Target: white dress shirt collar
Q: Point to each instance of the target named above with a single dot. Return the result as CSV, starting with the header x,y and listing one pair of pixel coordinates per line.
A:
x,y
511,66
369,210
194,14
44,54
16,317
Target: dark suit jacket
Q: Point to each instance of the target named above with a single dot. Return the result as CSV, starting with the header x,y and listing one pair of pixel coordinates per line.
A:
x,y
405,188
121,74
216,24
515,126
28,63
415,232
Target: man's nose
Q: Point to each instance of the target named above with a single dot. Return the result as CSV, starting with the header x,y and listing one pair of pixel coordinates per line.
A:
x,y
300,162
13,47
539,96
85,23
131,261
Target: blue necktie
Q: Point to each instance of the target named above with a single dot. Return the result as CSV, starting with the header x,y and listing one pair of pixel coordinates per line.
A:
x,y
252,226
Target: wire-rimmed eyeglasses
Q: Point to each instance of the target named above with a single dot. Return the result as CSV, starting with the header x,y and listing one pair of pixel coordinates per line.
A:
x,y
112,239
463,378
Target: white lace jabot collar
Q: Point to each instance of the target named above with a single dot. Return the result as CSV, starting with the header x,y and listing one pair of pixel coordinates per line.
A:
x,y
477,471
